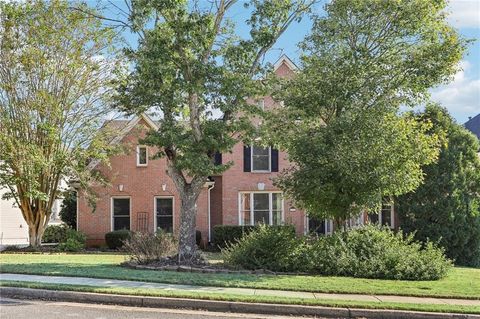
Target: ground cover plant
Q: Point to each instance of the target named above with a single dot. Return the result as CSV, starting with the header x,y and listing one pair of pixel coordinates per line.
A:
x,y
365,252
459,283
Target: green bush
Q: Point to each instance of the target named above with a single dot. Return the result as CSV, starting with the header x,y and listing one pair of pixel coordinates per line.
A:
x,y
366,252
223,235
55,234
116,238
75,241
272,248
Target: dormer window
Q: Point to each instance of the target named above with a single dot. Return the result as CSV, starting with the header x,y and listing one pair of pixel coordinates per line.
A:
x,y
142,155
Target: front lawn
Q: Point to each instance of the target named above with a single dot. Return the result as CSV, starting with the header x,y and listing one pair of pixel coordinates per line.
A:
x,y
243,298
460,283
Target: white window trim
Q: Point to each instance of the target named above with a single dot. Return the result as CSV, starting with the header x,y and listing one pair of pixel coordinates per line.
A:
x,y
269,161
392,215
270,208
138,155
111,209
155,212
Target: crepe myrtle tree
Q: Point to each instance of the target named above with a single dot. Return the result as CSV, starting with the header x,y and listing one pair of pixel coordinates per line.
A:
x,y
192,67
53,89
341,124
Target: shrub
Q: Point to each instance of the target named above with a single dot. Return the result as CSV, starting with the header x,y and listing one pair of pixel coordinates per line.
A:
x,y
224,235
116,238
55,234
272,248
145,247
366,252
75,241
68,209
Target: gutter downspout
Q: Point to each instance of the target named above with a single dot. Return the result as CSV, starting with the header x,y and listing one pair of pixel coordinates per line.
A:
x,y
210,187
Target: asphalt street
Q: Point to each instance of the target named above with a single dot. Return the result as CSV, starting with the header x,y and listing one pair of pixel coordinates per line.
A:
x,y
15,308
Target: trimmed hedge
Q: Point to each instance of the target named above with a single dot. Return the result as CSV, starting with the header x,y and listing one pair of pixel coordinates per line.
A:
x,y
366,252
115,239
223,235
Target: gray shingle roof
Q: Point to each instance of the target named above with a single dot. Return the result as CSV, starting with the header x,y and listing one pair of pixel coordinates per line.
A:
x,y
473,125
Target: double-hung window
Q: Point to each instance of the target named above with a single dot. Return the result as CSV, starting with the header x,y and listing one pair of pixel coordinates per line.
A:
x,y
261,208
164,213
142,155
261,159
384,217
121,213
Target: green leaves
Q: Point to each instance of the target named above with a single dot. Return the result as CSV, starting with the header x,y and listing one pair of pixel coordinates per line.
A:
x,y
362,61
446,207
55,84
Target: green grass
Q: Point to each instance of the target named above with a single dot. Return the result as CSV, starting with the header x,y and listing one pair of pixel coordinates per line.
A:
x,y
242,298
460,283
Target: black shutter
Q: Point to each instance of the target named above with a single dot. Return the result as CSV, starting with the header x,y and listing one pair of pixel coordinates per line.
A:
x,y
274,159
247,150
218,158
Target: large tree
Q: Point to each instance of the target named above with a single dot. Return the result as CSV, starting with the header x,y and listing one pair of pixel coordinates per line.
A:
x,y
54,80
446,207
363,60
195,68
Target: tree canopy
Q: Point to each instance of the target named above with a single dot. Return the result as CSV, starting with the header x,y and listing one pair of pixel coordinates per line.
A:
x,y
446,207
55,79
363,60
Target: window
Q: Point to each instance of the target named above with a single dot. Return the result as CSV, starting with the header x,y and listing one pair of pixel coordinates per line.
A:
x,y
261,159
142,156
354,221
121,213
164,213
384,217
261,208
319,226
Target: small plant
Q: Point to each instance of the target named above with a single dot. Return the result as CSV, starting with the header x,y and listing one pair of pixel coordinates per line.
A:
x,y
223,235
145,247
55,234
116,238
75,241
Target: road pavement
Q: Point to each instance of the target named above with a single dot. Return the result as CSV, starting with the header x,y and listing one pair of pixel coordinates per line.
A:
x,y
15,308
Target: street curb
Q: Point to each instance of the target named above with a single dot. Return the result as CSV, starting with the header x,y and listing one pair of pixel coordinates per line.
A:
x,y
222,306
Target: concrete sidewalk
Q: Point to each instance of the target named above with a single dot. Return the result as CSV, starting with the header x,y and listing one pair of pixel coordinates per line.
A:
x,y
236,291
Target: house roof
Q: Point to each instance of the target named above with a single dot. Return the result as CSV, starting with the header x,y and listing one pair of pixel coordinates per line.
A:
x,y
285,59
473,125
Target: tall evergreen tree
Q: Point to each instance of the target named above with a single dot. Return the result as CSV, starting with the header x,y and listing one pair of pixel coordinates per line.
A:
x,y
446,208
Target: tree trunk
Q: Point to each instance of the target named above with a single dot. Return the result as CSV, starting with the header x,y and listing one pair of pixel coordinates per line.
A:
x,y
35,236
187,246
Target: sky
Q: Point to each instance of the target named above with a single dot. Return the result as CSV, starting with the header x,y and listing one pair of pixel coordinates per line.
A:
x,y
461,97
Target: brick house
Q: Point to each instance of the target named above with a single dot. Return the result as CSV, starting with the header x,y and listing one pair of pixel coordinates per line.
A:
x,y
142,197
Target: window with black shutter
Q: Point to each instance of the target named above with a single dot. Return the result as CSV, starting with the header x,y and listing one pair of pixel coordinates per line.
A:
x,y
274,160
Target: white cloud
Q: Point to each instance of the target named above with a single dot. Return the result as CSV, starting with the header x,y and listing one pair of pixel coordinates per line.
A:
x,y
462,95
464,13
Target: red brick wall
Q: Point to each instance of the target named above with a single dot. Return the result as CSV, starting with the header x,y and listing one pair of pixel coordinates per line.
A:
x,y
141,184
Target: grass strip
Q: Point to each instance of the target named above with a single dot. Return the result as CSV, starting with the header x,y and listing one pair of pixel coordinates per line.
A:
x,y
243,298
